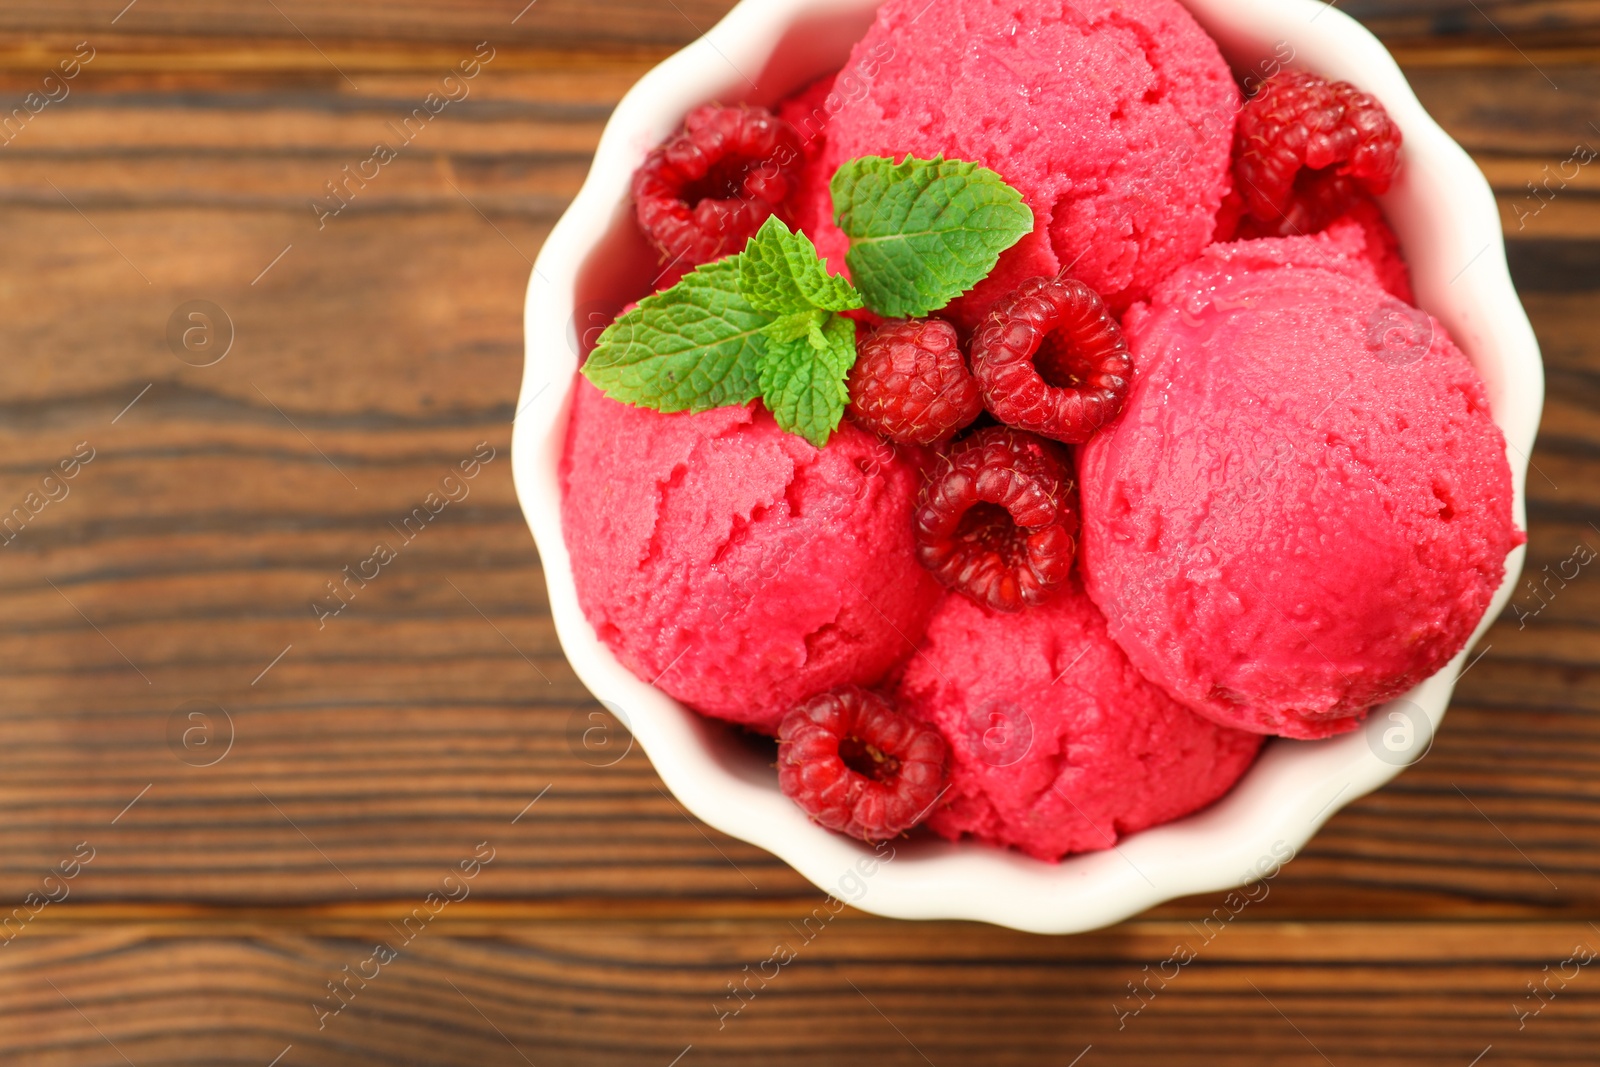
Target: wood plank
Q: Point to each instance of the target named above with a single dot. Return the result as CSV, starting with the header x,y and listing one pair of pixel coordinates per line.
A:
x,y
546,23
1525,23
1513,109
645,992
171,63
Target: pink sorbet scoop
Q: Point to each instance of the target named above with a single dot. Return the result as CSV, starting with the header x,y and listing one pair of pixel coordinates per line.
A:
x,y
734,565
1306,506
1057,745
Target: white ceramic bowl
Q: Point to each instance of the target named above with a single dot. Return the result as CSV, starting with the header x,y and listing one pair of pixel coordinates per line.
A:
x,y
594,260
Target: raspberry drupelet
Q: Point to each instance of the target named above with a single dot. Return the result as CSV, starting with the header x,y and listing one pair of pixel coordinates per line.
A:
x,y
910,383
704,193
999,524
1306,150
857,765
1051,359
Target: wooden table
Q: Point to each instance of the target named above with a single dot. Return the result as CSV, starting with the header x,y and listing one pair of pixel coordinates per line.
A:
x,y
261,796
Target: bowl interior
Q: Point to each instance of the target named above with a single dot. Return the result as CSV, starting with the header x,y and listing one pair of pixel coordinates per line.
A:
x,y
595,262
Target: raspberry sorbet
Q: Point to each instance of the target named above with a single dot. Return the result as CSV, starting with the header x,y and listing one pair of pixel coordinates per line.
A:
x,y
734,565
1113,118
1057,745
1305,508
1291,502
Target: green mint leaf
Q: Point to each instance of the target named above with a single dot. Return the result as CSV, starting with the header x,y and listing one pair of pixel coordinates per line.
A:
x,y
924,231
804,385
780,272
816,333
694,347
801,324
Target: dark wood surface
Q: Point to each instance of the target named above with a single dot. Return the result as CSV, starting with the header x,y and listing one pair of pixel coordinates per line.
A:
x,y
377,752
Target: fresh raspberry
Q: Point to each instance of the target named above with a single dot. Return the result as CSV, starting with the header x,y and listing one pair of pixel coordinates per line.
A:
x,y
999,524
1050,359
858,766
1320,198
706,191
1305,149
910,383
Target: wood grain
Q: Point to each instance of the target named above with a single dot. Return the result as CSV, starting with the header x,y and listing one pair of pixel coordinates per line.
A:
x,y
630,992
372,355
1520,23
549,23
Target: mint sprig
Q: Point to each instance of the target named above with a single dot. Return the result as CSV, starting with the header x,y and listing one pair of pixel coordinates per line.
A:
x,y
924,231
768,321
761,323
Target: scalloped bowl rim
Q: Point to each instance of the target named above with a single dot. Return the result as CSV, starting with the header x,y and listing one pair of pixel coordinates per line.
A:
x,y
1446,216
